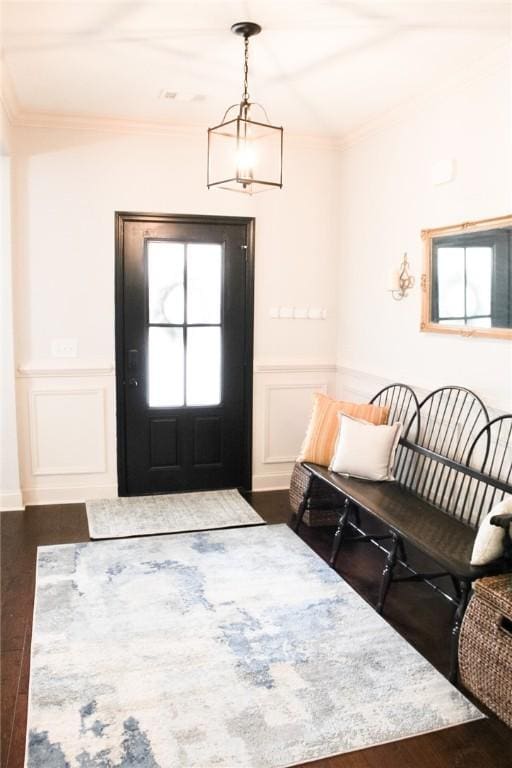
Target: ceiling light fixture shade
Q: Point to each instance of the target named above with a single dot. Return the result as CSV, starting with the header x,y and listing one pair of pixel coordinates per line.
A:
x,y
245,152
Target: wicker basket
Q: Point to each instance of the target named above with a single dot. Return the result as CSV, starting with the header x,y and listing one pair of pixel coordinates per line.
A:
x,y
485,650
322,501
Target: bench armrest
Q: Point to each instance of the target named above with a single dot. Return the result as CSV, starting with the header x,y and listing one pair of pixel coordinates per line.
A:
x,y
502,521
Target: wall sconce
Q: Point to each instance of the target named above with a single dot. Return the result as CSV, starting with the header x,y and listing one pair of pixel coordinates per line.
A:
x,y
402,281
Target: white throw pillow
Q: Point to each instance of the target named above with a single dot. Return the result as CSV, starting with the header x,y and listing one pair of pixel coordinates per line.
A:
x,y
365,450
490,539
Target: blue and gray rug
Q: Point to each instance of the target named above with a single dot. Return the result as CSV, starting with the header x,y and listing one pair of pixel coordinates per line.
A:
x,y
229,649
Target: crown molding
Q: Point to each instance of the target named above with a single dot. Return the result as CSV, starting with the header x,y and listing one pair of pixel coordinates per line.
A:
x,y
500,58
102,123
57,120
22,118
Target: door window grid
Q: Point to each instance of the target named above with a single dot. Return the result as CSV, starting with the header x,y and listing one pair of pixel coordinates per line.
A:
x,y
184,358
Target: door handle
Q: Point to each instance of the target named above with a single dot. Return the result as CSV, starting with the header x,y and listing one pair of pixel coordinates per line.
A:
x,y
133,383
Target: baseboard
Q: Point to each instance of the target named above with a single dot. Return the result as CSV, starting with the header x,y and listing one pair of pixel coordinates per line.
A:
x,y
76,495
278,482
10,502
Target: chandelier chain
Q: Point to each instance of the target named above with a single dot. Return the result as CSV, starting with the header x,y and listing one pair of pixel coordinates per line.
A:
x,y
245,96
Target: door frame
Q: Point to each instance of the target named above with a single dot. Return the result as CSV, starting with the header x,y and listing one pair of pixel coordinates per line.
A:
x,y
122,217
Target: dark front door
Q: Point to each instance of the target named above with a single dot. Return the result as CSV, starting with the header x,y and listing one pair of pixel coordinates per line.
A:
x,y
184,305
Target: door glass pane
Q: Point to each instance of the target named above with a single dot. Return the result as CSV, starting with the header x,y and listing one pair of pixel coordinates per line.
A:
x,y
165,281
479,280
204,276
165,367
204,366
450,281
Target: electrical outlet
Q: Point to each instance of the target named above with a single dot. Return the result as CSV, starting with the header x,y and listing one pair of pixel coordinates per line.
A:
x,y
64,348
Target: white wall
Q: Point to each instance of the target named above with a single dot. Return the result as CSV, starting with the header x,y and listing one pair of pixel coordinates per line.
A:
x,y
68,183
10,495
387,198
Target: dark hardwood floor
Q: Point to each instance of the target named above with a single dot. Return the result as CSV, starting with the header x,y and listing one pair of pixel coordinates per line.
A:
x,y
414,610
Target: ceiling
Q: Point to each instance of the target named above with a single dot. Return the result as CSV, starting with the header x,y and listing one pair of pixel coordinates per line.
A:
x,y
322,67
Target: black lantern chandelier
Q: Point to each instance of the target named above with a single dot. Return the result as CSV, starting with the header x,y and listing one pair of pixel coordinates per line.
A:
x,y
245,152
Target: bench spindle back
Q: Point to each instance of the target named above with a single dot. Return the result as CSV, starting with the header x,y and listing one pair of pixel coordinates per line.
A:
x,y
404,407
449,419
402,403
491,456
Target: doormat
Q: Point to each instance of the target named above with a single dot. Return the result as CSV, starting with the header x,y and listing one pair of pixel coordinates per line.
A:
x,y
170,513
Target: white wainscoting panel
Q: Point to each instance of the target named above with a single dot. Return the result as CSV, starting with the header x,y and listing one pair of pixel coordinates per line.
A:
x,y
67,427
77,416
66,433
283,399
286,406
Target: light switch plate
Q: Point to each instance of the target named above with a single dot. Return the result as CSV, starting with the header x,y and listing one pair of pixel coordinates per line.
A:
x,y
64,347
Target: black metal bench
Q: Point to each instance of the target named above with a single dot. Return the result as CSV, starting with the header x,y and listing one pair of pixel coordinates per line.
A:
x,y
452,466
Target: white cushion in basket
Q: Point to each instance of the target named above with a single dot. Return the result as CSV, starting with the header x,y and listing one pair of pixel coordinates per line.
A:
x,y
365,450
490,539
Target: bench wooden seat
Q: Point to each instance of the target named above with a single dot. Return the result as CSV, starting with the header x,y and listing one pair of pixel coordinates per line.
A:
x,y
442,537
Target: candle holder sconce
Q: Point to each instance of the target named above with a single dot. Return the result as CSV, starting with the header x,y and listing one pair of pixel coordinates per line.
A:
x,y
403,281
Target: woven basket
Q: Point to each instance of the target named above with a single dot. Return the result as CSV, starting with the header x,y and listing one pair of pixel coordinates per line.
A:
x,y
485,646
320,511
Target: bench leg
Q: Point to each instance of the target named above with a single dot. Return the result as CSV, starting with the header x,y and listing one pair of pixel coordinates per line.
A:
x,y
338,536
464,587
387,573
456,587
402,554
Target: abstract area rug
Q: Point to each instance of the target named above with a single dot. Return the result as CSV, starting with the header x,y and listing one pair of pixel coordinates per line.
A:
x,y
170,513
237,648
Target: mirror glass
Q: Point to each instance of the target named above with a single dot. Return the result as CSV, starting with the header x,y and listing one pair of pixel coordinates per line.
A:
x,y
469,279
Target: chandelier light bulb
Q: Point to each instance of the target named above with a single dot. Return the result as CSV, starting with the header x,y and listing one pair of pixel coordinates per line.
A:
x,y
246,160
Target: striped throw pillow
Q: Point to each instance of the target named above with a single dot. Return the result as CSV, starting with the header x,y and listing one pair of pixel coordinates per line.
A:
x,y
319,443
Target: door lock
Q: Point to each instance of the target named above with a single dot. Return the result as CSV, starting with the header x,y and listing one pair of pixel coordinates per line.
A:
x,y
133,383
